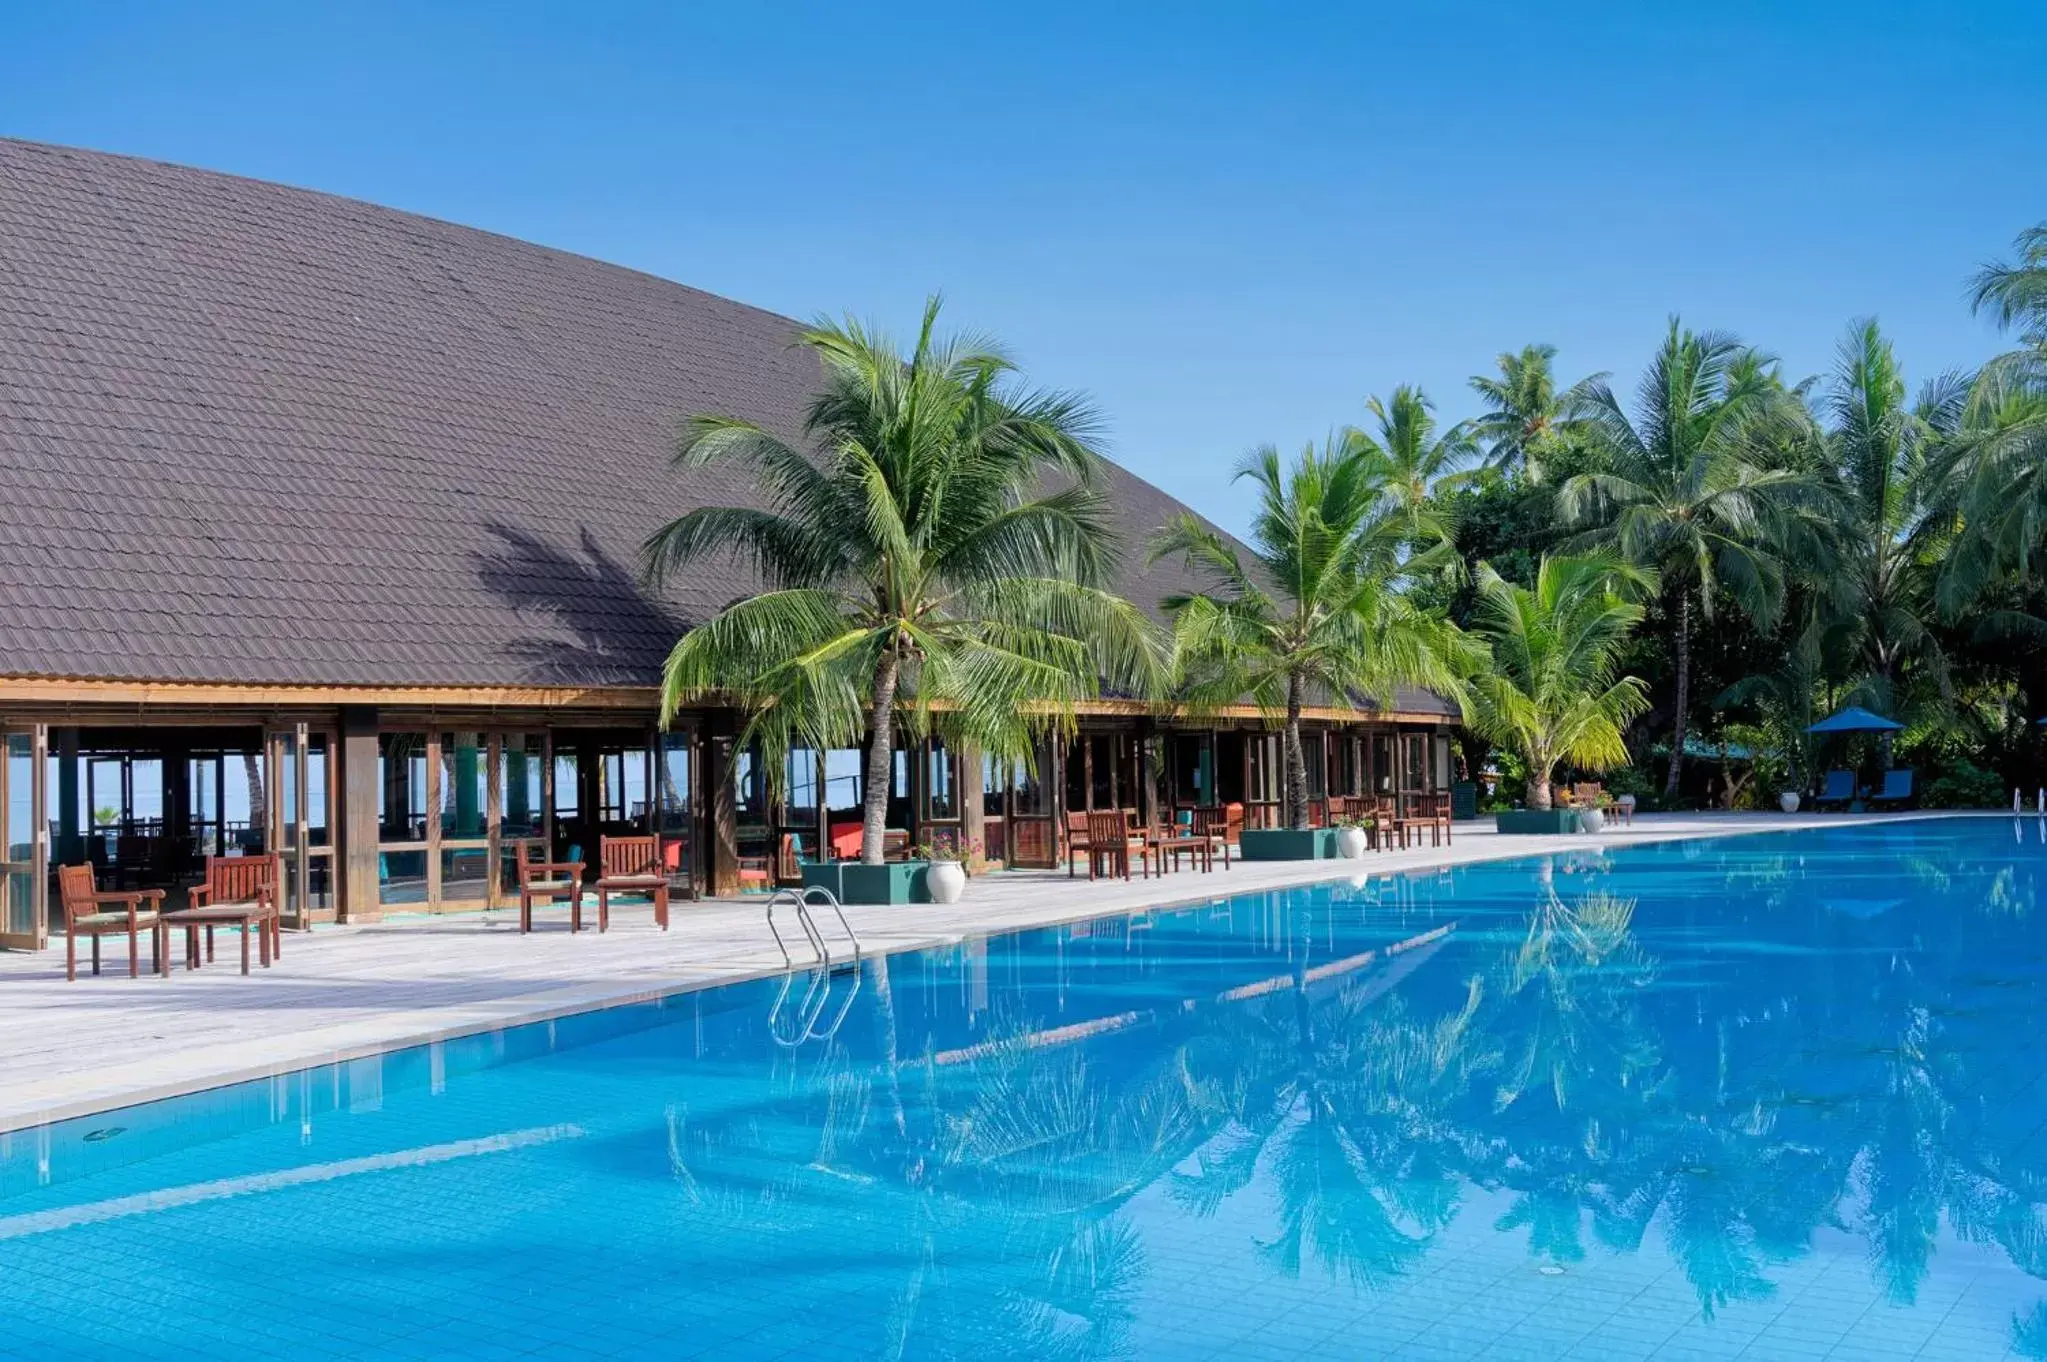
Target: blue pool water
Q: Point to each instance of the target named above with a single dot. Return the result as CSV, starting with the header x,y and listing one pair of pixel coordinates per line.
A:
x,y
1770,1096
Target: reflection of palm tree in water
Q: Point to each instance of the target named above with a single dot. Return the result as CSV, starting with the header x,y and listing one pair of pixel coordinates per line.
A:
x,y
999,1175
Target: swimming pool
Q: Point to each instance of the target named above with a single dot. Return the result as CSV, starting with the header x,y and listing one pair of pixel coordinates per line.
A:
x,y
1779,1092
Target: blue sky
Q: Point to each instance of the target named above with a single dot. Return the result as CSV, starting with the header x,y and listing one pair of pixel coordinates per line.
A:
x,y
1228,223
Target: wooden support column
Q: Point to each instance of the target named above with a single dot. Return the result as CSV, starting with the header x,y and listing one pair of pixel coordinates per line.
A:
x,y
1147,775
360,800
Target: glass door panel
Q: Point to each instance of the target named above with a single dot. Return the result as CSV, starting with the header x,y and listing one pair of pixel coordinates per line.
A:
x,y
522,806
461,858
403,772
24,846
676,801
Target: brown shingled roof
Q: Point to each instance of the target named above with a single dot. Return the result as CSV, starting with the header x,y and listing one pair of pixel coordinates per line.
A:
x,y
251,433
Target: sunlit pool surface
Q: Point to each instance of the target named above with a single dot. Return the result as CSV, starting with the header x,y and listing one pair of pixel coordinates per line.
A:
x,y
1772,1096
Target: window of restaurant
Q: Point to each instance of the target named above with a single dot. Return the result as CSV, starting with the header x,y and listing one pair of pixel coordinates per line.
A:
x,y
1192,758
941,783
403,771
24,852
1384,768
1415,769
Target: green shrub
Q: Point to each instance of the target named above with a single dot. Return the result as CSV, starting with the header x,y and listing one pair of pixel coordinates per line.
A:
x,y
1965,785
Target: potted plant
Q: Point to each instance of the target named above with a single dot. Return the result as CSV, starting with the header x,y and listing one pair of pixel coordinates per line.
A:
x,y
1350,837
1787,800
1554,691
945,875
1592,818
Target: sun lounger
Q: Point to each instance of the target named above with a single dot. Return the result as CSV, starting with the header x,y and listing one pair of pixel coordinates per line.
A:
x,y
1838,789
1897,788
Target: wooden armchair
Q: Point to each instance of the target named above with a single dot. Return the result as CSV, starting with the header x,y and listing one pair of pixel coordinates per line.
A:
x,y
1213,823
631,865
89,912
547,882
784,868
233,880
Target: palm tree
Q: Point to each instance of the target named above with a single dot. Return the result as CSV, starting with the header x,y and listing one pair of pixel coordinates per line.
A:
x,y
1995,466
1886,550
1415,463
1680,492
917,571
1553,692
1527,421
2015,293
1313,609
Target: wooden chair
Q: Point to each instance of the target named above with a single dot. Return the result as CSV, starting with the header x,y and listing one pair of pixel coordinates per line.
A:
x,y
86,913
1108,844
1385,816
784,867
631,865
1426,811
1144,840
547,882
1078,842
234,882
1213,822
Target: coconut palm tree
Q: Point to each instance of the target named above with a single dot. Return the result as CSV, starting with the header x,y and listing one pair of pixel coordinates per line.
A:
x,y
1415,462
2014,293
1312,611
1553,692
1526,420
1886,549
1680,492
918,572
1995,464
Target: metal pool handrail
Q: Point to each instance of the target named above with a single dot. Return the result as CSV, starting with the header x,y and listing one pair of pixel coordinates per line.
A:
x,y
800,900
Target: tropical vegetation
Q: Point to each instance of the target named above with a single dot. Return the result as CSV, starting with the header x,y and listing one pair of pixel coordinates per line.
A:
x,y
1312,609
941,568
935,555
1554,692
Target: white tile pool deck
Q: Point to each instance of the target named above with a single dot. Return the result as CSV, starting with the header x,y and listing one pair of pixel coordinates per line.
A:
x,y
341,992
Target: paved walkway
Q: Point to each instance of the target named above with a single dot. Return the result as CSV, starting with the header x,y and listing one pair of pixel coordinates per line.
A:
x,y
341,992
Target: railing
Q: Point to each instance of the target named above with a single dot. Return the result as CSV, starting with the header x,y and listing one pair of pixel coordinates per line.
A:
x,y
799,901
810,1010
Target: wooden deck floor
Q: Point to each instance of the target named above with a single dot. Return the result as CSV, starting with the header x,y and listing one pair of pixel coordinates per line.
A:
x,y
340,992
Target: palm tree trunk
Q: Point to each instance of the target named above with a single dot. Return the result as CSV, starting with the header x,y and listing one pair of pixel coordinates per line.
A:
x,y
1295,759
1684,691
880,749
1539,791
259,807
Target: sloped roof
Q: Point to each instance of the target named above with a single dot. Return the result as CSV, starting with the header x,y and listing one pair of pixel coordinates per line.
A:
x,y
251,433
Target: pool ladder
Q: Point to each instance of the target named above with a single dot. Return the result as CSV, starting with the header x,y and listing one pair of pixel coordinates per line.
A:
x,y
800,900
802,1024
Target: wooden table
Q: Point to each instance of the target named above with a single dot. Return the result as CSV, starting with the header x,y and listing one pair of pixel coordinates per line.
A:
x,y
252,917
1202,849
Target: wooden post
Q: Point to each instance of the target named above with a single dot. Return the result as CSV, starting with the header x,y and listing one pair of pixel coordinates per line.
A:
x,y
1147,777
358,900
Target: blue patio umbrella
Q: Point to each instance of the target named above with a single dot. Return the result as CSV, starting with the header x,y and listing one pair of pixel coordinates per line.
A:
x,y
1855,719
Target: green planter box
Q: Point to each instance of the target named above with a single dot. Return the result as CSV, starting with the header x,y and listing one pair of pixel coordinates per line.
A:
x,y
852,882
1539,822
1289,844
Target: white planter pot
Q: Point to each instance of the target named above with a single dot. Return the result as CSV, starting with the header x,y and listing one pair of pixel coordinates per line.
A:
x,y
1350,843
945,881
1592,820
1788,801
